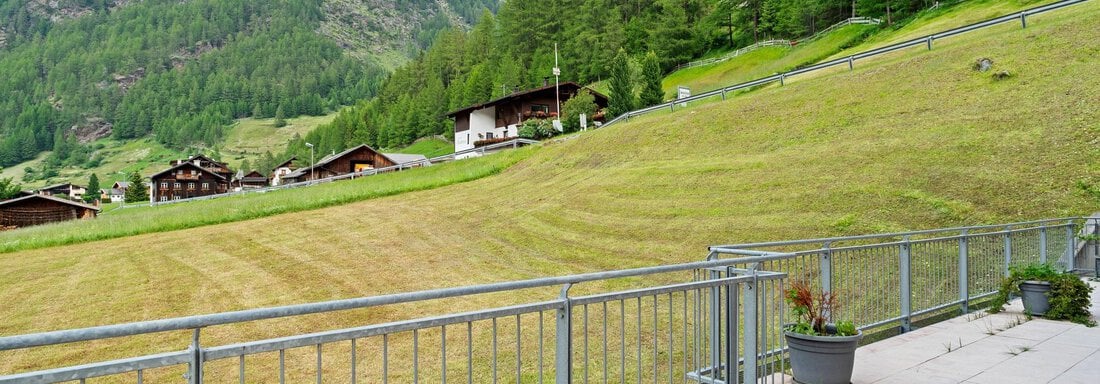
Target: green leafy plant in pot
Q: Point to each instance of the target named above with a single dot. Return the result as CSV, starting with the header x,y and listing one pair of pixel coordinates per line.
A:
x,y
1047,292
821,352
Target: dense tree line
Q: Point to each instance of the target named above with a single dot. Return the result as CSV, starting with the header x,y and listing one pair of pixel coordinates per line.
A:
x,y
515,49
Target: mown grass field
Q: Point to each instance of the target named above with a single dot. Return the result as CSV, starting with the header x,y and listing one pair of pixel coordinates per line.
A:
x,y
914,140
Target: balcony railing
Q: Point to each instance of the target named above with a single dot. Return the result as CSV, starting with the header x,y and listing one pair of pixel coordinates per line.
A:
x,y
713,321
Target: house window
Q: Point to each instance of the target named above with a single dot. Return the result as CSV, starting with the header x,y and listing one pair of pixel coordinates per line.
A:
x,y
175,197
467,138
164,185
190,185
193,172
177,185
488,135
540,108
164,198
205,186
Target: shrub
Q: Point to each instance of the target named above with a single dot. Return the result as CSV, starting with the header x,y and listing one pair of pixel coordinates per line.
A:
x,y
1069,296
537,129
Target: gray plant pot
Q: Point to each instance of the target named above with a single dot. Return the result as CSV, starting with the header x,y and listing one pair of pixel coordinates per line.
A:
x,y
822,359
1034,295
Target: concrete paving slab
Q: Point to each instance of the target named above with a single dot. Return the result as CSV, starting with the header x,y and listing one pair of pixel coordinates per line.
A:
x,y
986,348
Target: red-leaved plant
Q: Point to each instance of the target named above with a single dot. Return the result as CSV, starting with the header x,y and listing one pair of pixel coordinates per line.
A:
x,y
813,309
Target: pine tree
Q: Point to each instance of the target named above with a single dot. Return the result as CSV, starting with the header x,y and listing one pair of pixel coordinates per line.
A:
x,y
136,193
92,193
280,117
8,188
246,166
652,93
622,88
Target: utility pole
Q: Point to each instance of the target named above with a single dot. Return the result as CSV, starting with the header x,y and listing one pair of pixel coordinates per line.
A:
x,y
311,176
557,81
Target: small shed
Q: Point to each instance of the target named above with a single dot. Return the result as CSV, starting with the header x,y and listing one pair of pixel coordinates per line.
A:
x,y
354,160
38,209
253,179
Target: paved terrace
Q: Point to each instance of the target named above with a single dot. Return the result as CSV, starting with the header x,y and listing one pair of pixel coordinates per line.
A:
x,y
980,348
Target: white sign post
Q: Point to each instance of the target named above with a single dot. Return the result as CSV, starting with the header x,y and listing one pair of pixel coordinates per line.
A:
x,y
683,93
557,125
584,122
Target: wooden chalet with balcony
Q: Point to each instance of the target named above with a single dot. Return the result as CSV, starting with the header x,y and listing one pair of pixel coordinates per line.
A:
x,y
186,180
501,118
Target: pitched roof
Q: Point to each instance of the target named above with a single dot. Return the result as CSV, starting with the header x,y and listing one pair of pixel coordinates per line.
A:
x,y
55,186
285,163
328,159
564,87
48,197
188,164
122,184
403,158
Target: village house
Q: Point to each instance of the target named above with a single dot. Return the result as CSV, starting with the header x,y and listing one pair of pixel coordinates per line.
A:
x,y
66,190
216,167
282,170
188,179
253,180
353,160
117,192
501,118
36,208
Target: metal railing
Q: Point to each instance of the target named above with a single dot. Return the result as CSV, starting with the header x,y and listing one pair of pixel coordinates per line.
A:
x,y
713,321
517,142
682,320
898,278
928,40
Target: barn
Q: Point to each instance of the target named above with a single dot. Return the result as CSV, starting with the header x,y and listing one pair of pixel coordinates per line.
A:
x,y
38,209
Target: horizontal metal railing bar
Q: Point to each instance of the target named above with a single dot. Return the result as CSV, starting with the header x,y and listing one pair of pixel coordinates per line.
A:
x,y
99,369
894,234
635,293
857,56
260,346
201,321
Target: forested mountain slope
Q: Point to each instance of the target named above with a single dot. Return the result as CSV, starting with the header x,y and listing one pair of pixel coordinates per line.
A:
x,y
81,69
515,49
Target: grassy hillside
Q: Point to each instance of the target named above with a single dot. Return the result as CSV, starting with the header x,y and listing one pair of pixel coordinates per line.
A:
x,y
763,62
249,138
915,140
430,147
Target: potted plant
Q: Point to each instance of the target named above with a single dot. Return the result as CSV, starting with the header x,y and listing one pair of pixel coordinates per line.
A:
x,y
821,352
1047,292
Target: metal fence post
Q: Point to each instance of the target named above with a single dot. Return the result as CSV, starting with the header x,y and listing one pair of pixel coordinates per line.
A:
x,y
733,293
906,287
826,268
1071,248
751,329
1023,19
964,273
715,325
563,357
1008,250
851,63
194,373
1043,243
929,43
782,79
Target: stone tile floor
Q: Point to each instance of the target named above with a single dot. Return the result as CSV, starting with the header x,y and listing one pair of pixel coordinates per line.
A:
x,y
980,348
